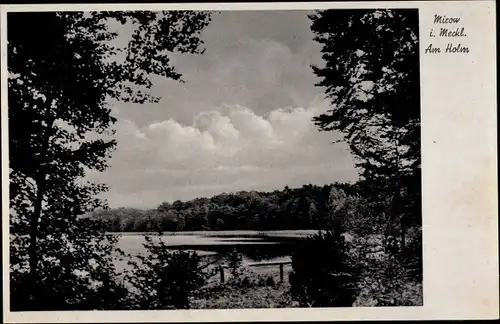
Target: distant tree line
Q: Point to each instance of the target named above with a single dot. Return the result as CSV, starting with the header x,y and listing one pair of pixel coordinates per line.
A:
x,y
308,207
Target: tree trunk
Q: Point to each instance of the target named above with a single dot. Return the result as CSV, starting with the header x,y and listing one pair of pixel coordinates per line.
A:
x,y
385,231
388,231
389,227
37,210
403,235
32,249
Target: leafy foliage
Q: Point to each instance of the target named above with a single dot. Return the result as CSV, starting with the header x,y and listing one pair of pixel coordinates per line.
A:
x,y
323,274
235,260
75,270
62,76
371,75
386,279
165,278
411,257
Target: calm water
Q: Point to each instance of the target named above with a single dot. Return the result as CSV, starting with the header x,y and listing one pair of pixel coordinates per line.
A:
x,y
254,246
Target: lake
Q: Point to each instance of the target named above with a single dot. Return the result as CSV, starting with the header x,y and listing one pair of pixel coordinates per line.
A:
x,y
255,246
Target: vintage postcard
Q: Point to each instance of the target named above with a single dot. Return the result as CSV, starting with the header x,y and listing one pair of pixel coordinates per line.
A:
x,y
249,162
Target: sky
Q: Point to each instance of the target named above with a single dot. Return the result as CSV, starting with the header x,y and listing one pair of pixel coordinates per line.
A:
x,y
241,121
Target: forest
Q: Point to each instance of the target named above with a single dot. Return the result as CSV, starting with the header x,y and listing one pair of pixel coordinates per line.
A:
x,y
288,209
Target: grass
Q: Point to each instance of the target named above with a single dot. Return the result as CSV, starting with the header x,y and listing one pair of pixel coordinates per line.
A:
x,y
254,297
251,289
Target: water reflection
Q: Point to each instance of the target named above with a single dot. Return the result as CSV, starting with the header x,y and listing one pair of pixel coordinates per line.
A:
x,y
252,249
216,247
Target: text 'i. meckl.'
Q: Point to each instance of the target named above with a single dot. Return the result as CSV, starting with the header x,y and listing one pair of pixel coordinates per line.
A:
x,y
447,28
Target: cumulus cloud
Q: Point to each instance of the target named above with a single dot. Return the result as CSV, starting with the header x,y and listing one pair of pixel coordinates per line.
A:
x,y
259,60
224,150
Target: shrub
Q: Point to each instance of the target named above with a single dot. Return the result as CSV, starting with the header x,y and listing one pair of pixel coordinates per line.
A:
x,y
386,284
234,263
245,282
412,255
111,295
322,273
270,281
165,278
386,279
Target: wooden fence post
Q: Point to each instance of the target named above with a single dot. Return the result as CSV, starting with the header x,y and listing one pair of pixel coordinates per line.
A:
x,y
221,269
280,263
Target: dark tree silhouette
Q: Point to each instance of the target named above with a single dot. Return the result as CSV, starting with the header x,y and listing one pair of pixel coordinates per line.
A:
x,y
164,278
323,274
371,76
62,74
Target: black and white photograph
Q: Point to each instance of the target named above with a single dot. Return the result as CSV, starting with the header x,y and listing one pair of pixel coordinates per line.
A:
x,y
202,159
